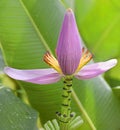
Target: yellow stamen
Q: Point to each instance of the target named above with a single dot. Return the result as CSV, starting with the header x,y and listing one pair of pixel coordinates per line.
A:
x,y
52,61
86,57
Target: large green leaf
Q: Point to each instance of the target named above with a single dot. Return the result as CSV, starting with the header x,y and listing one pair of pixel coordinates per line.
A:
x,y
99,26
27,30
24,46
14,114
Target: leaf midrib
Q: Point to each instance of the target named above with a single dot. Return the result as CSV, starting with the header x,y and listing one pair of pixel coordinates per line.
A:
x,y
35,26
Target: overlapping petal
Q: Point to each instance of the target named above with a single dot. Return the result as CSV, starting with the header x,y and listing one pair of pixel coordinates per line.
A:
x,y
38,76
69,48
93,70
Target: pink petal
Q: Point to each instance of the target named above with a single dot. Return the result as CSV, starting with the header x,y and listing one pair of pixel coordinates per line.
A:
x,y
38,76
69,48
47,79
93,70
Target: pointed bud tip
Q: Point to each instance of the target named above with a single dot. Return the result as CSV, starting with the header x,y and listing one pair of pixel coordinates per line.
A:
x,y
69,10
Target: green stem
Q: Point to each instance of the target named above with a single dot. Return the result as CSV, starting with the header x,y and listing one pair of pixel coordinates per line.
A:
x,y
66,95
65,115
83,110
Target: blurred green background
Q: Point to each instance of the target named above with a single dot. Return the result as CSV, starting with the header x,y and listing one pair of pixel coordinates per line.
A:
x,y
29,28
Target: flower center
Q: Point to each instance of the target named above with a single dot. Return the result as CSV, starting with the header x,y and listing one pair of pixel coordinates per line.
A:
x,y
52,61
86,57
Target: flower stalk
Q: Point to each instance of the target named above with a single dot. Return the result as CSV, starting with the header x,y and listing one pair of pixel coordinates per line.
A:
x,y
67,89
65,115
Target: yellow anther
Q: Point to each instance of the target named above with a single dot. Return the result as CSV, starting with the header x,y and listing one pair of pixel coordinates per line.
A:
x,y
52,61
86,57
